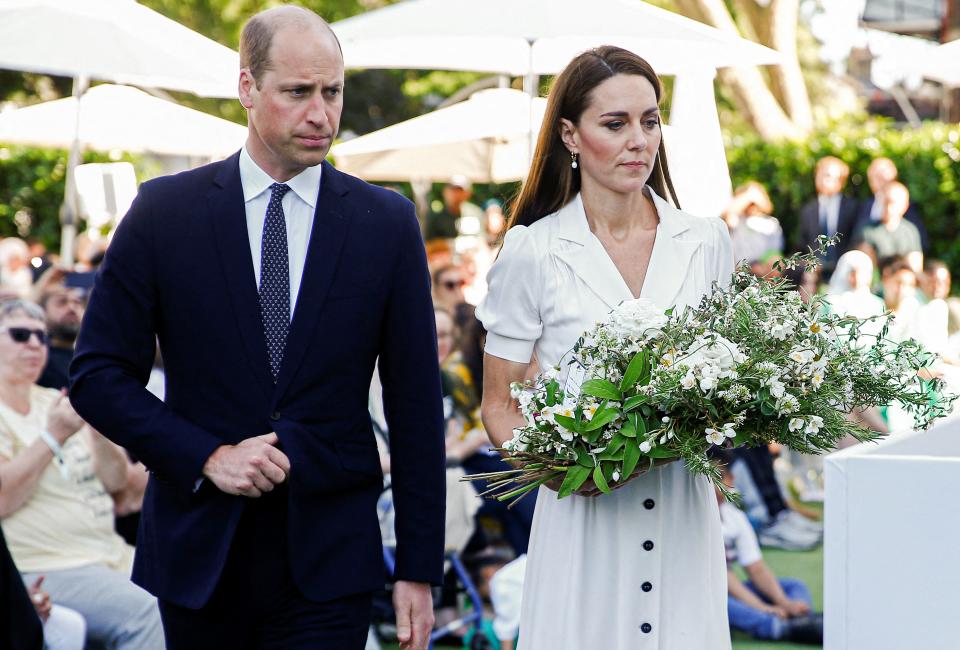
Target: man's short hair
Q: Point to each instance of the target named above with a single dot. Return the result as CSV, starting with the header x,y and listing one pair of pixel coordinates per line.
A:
x,y
833,160
257,36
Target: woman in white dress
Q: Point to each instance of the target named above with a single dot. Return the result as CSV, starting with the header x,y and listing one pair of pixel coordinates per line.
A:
x,y
642,567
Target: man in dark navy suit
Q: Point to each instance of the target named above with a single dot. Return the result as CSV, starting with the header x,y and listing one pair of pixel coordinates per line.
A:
x,y
880,173
830,213
273,283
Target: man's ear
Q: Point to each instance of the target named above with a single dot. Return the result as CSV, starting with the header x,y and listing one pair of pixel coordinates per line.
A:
x,y
246,86
568,134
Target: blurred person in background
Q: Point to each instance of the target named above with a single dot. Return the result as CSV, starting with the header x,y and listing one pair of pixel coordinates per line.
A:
x,y
445,223
496,221
55,505
63,306
765,606
848,292
16,274
754,232
892,235
829,213
881,172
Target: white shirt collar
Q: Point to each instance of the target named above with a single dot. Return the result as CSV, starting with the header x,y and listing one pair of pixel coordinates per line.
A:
x,y
255,181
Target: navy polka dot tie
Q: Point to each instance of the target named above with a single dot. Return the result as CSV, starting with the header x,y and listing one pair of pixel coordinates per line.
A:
x,y
275,279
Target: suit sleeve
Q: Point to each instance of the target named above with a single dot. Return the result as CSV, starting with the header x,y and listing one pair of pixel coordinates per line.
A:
x,y
410,373
114,355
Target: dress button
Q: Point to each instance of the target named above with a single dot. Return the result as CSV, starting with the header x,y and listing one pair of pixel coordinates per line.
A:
x,y
646,628
646,586
648,504
648,545
275,416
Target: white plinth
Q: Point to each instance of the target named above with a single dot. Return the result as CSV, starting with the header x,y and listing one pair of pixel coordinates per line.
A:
x,y
892,543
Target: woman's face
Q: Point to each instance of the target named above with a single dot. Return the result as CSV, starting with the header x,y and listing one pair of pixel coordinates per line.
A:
x,y
21,362
444,335
618,135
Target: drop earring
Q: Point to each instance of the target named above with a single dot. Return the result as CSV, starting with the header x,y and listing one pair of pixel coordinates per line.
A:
x,y
573,159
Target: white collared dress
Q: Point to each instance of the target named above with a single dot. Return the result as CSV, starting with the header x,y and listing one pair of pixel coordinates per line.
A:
x,y
643,567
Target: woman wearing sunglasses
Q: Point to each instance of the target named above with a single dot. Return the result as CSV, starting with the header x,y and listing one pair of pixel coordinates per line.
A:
x,y
56,477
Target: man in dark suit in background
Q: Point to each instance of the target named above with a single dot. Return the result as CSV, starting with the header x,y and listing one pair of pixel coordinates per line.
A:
x,y
273,283
830,213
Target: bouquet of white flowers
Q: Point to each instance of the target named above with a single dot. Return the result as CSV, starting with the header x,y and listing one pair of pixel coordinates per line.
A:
x,y
752,364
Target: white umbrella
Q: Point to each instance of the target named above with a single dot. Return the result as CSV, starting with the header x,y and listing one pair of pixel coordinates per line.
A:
x,y
113,40
534,37
484,138
122,118
110,40
944,64
521,37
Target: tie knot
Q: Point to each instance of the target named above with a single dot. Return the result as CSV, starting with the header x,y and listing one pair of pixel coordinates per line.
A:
x,y
277,190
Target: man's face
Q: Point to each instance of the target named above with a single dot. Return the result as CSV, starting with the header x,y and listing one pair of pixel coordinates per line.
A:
x,y
294,114
454,196
829,179
879,173
64,311
896,201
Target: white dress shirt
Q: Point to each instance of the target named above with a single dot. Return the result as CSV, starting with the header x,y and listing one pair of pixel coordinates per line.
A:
x,y
298,209
830,205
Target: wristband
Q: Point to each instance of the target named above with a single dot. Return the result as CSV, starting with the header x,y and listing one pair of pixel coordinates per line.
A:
x,y
57,450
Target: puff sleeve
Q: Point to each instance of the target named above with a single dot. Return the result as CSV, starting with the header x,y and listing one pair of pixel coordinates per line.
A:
x,y
511,311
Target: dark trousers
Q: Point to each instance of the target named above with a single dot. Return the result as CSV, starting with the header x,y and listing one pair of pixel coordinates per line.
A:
x,y
257,604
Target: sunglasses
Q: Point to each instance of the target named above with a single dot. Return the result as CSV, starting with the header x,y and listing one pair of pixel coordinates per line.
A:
x,y
22,334
453,284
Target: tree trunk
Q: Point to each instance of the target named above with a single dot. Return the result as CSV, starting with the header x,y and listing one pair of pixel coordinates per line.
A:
x,y
783,33
751,93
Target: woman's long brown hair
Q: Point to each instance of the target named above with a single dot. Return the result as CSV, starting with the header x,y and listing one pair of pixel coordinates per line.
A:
x,y
552,183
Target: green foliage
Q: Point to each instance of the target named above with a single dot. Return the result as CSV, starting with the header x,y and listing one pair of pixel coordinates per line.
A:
x,y
31,192
928,159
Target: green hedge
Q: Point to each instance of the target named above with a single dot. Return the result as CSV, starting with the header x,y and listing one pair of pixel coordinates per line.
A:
x,y
31,191
928,159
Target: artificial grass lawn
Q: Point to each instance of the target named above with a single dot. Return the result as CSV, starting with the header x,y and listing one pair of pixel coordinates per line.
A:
x,y
808,566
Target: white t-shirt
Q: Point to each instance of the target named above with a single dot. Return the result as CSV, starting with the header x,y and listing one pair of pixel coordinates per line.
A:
x,y
68,520
739,539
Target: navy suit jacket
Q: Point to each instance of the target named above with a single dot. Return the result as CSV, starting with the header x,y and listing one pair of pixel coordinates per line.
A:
x,y
179,269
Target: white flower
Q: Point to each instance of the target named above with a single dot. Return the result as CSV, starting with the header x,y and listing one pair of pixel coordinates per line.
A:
x,y
781,331
546,414
813,424
816,380
729,431
549,374
777,388
688,381
715,437
801,356
525,398
616,475
787,404
589,410
795,424
708,383
717,353
516,390
636,318
645,446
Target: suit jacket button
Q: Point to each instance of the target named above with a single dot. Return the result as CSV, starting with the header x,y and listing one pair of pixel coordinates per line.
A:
x,y
275,416
648,504
646,628
648,545
646,586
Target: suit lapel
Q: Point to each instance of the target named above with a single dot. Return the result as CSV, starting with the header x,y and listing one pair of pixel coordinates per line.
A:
x,y
229,221
323,253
